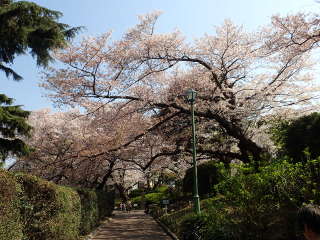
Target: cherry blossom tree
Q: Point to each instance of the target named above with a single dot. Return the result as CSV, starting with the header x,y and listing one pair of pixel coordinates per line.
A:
x,y
88,150
241,77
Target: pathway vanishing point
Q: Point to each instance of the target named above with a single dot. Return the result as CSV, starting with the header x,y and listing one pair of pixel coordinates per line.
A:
x,y
130,225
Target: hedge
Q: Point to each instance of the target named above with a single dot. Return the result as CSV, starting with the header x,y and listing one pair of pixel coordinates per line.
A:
x,y
34,209
95,205
151,198
89,210
49,211
10,225
105,203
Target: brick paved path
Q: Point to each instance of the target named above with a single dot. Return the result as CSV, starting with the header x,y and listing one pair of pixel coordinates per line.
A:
x,y
133,225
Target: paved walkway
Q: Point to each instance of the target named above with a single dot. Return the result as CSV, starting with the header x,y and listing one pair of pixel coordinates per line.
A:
x,y
132,225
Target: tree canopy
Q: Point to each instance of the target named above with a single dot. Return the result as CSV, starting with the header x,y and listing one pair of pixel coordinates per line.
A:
x,y
26,27
240,78
299,138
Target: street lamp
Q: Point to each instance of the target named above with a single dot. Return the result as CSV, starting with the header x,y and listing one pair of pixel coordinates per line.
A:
x,y
191,97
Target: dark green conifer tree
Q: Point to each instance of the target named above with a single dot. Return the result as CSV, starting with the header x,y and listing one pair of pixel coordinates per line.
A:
x,y
13,126
27,28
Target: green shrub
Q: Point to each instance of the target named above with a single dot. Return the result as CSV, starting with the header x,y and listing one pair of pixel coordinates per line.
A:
x,y
49,211
151,198
262,205
173,220
10,225
296,137
136,193
89,210
136,200
192,227
209,174
161,189
105,203
95,205
251,205
155,198
35,209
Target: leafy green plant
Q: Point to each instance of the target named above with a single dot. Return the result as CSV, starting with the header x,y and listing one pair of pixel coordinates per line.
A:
x,y
48,211
10,224
209,174
298,138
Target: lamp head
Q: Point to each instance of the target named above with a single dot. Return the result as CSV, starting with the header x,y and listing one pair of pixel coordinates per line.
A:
x,y
191,95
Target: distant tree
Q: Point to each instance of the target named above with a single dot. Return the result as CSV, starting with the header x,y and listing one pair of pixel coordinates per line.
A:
x,y
298,138
208,176
26,27
12,126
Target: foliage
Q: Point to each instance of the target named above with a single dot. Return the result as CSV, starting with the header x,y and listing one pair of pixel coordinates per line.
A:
x,y
253,205
13,126
105,203
161,189
89,210
209,174
136,192
151,198
10,224
32,208
173,220
310,176
168,178
155,197
94,207
49,211
298,138
192,226
26,26
262,203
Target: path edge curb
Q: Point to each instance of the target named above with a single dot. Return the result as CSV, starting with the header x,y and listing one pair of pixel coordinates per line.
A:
x,y
166,229
91,235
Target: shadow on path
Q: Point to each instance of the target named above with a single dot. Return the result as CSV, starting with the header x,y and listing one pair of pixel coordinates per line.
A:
x,y
131,225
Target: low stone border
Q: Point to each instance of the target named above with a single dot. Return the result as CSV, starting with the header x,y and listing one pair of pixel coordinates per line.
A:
x,y
166,229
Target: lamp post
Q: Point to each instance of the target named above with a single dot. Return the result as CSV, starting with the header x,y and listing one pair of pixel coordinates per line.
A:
x,y
191,97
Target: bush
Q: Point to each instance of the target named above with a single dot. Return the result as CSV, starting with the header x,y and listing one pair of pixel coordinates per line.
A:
x,y
95,205
173,220
192,227
89,210
49,211
251,205
105,203
136,193
297,137
35,209
208,175
162,189
10,225
155,198
262,205
151,198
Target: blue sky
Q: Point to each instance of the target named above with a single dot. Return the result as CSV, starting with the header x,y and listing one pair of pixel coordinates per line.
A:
x,y
192,17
